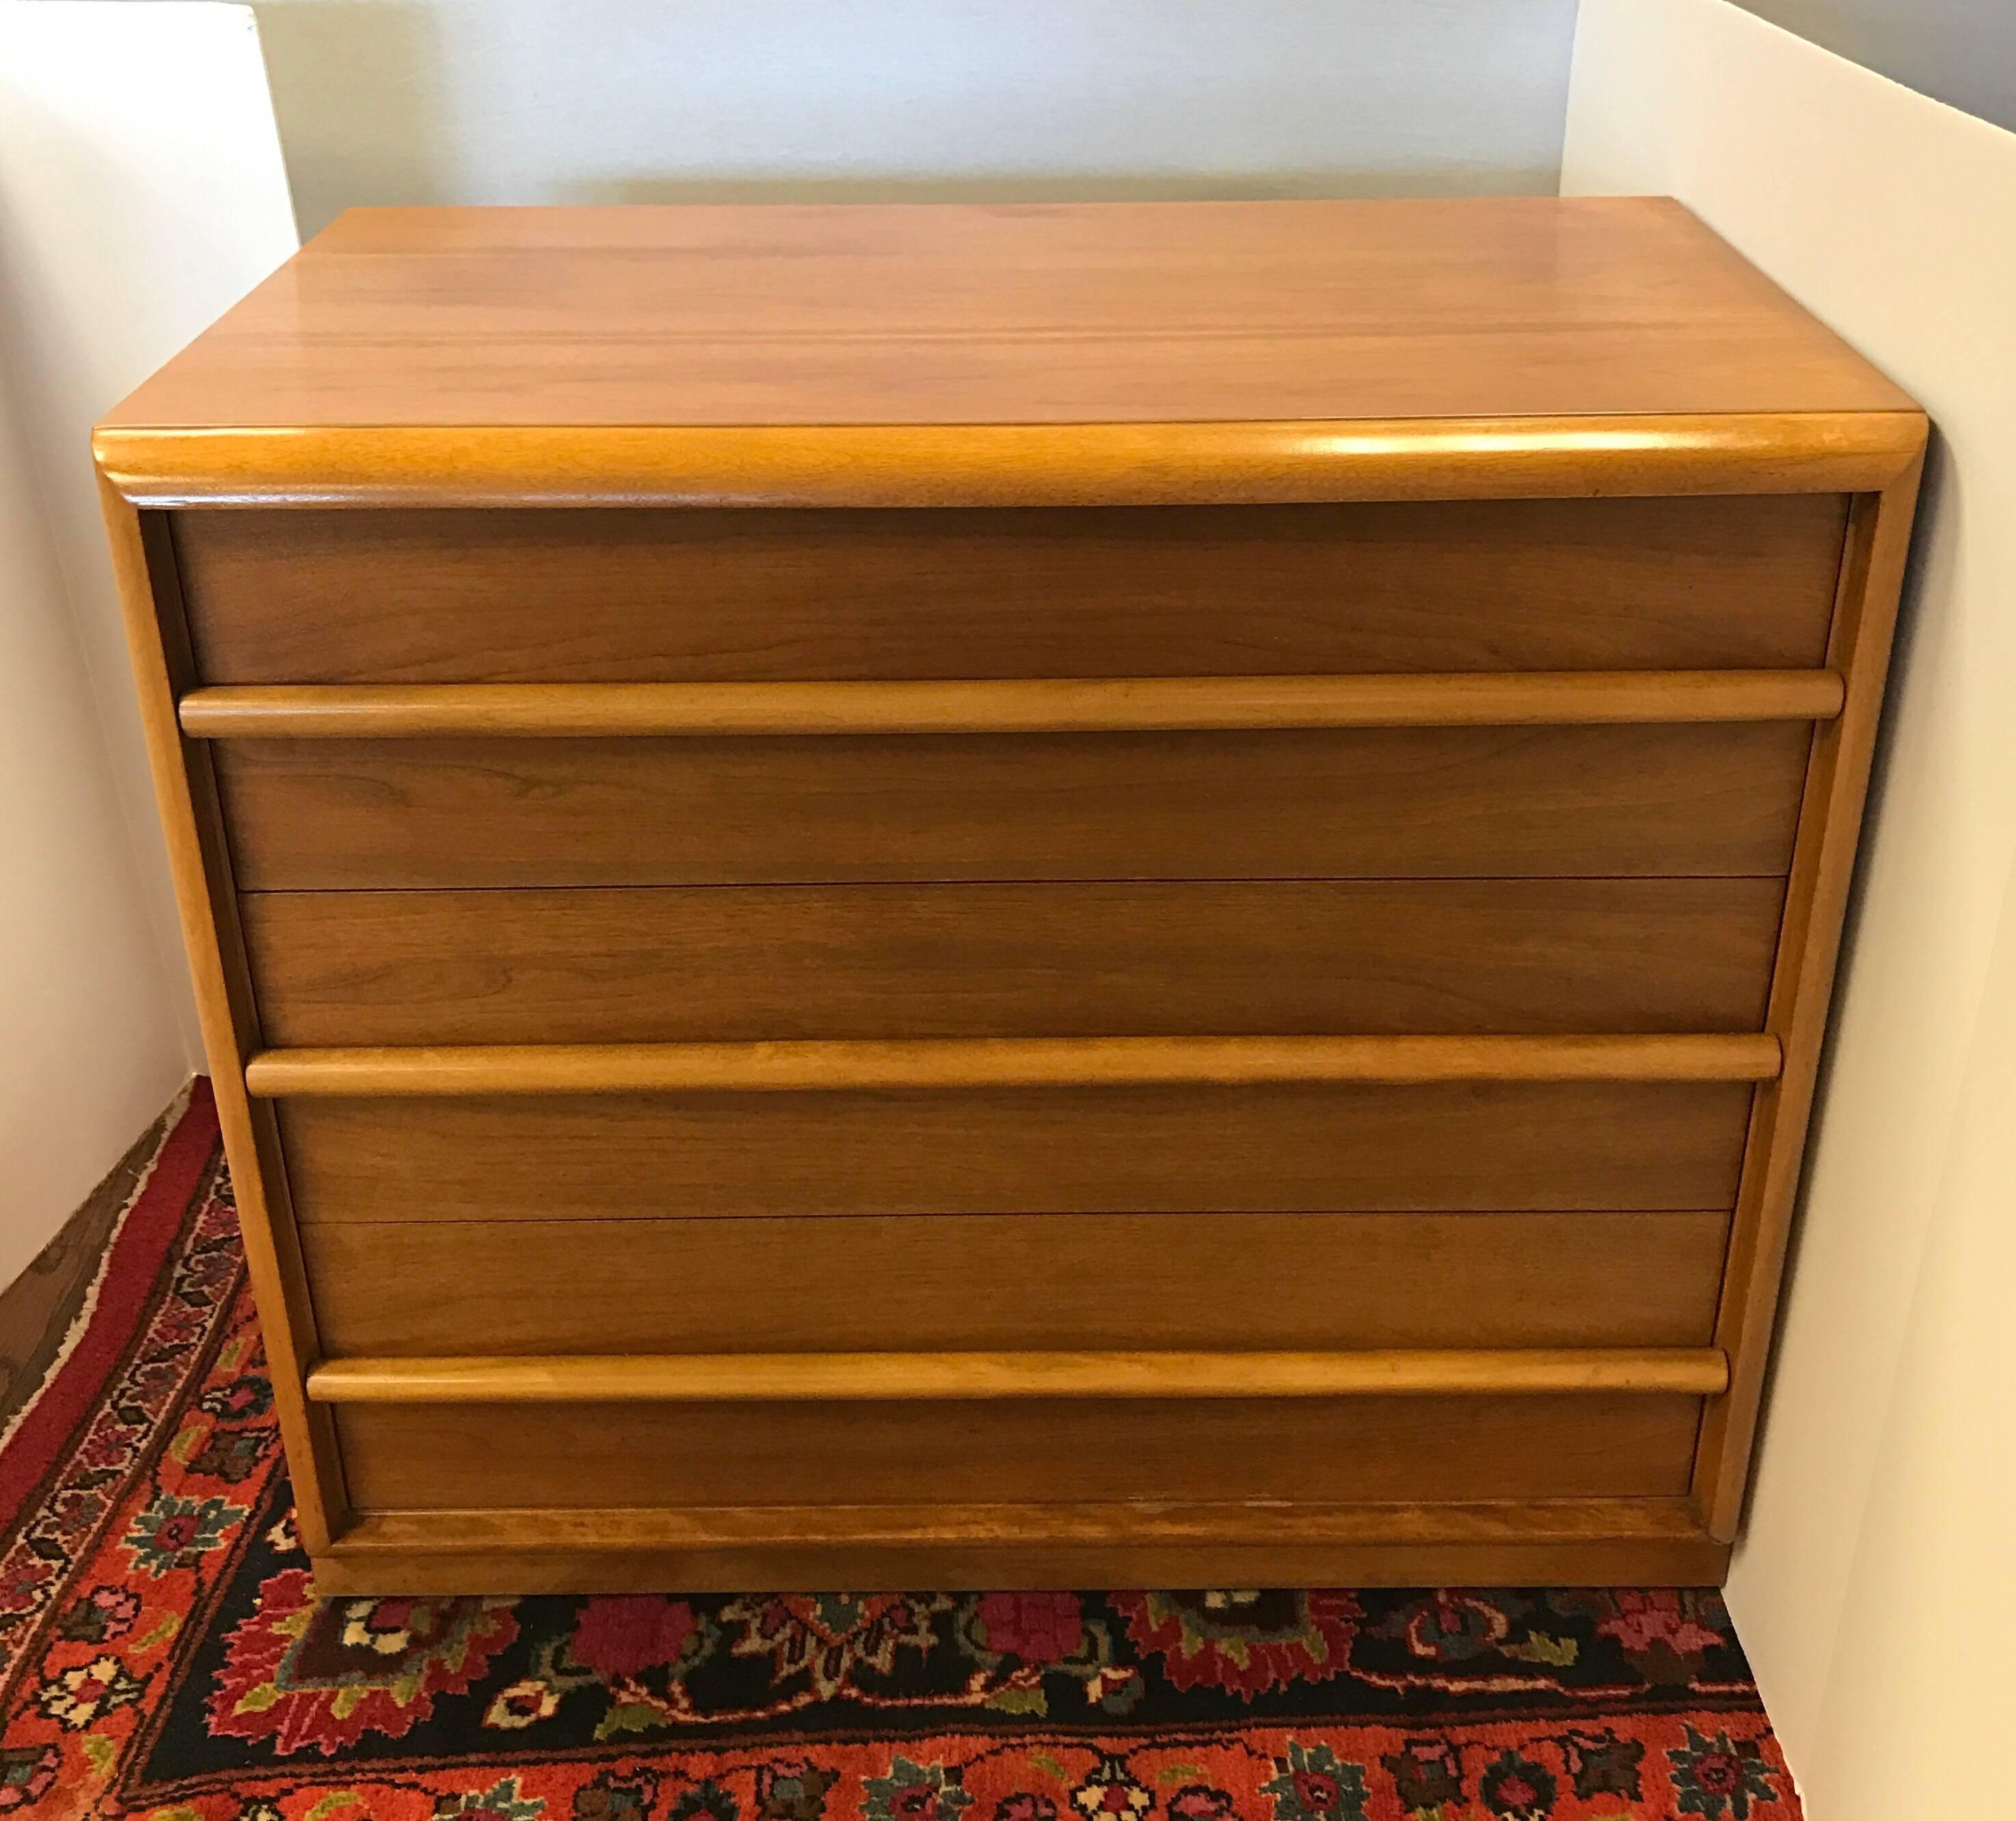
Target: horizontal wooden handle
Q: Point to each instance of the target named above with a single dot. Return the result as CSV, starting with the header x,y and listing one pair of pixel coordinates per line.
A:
x,y
1027,705
856,1377
1001,1062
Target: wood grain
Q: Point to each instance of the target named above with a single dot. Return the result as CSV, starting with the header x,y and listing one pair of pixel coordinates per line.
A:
x,y
1222,463
1802,989
1551,1542
1464,802
1084,313
1006,1377
199,863
1358,1449
1072,960
782,1284
958,1063
1221,475
1286,1149
1038,705
941,1523
697,596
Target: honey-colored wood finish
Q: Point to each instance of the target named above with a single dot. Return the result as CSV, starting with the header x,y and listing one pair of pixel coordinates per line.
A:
x,y
292,597
1133,704
765,1283
1576,802
994,1063
1231,312
1448,1147
185,790
873,1378
403,1457
797,963
1551,1542
1328,808
1872,577
1183,462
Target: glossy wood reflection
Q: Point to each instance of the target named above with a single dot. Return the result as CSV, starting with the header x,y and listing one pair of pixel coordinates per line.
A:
x,y
798,314
1066,895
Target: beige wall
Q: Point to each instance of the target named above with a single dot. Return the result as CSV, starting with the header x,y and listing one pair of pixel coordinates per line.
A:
x,y
1870,1586
531,101
141,192
89,1048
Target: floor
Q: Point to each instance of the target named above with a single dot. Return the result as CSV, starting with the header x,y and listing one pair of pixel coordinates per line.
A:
x,y
37,1308
163,1656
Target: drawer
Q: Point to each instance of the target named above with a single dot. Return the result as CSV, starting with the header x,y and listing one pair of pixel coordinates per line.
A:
x,y
1302,1451
1291,1148
923,1282
1147,958
1355,803
644,595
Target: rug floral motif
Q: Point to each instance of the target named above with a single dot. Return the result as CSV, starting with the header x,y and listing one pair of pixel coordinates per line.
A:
x,y
162,1654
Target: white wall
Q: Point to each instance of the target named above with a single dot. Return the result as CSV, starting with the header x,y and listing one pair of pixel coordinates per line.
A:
x,y
140,191
528,101
89,1048
1872,1583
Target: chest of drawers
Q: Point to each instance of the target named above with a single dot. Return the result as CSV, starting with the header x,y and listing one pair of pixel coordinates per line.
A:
x,y
937,896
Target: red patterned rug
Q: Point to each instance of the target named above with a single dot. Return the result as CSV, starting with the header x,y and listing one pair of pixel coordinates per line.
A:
x,y
162,1653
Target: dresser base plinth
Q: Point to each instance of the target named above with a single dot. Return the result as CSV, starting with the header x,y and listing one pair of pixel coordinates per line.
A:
x,y
1595,1542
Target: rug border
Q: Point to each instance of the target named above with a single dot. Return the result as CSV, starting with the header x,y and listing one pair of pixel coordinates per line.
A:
x,y
139,1247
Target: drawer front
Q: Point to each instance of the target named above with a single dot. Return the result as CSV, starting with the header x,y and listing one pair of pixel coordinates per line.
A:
x,y
1273,958
582,596
1445,802
1154,1281
1301,1450
1271,1148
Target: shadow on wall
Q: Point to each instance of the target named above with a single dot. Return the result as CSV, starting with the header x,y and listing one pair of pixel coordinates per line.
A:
x,y
357,96
1091,187
1939,517
365,98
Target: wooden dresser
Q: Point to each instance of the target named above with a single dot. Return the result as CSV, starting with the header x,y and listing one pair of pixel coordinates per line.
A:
x,y
1115,895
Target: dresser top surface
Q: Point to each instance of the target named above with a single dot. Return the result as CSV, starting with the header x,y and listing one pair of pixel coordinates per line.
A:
x,y
779,316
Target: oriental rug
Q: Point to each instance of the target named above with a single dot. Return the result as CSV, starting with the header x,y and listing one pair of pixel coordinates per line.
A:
x,y
162,1654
